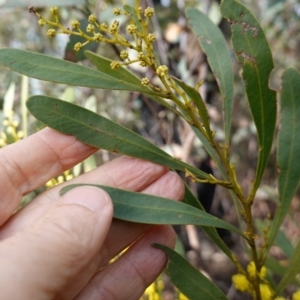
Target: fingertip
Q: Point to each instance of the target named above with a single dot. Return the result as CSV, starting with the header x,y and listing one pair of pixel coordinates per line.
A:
x,y
90,197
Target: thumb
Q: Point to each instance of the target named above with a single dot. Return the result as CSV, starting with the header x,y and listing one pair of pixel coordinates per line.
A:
x,y
41,260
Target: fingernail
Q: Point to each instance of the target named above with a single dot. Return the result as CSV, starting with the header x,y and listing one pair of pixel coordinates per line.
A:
x,y
90,197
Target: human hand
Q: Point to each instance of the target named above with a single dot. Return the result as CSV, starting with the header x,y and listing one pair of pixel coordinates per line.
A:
x,y
57,247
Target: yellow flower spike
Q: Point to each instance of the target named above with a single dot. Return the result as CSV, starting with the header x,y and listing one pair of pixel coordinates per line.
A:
x,y
117,11
279,298
145,81
151,38
77,46
131,29
241,283
90,28
92,18
140,9
51,32
75,24
54,10
124,54
296,296
251,269
41,22
266,292
115,65
150,290
149,12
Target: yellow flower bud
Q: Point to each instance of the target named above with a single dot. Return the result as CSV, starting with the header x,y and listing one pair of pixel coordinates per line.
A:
x,y
77,46
124,54
162,70
103,26
92,18
115,65
145,81
90,28
132,29
241,282
140,55
117,11
97,37
143,64
51,32
75,24
296,296
251,269
42,22
266,292
113,28
149,12
151,37
54,10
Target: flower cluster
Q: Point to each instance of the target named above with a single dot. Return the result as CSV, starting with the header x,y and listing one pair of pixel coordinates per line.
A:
x,y
243,283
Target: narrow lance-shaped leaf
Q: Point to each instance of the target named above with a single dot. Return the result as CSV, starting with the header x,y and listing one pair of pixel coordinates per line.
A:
x,y
214,46
197,99
148,209
103,65
56,70
95,130
253,52
288,153
192,283
212,152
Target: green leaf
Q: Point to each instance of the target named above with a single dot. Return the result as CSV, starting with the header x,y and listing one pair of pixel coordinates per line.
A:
x,y
197,99
284,243
97,131
188,279
292,271
56,70
253,52
288,153
214,46
148,209
190,199
103,65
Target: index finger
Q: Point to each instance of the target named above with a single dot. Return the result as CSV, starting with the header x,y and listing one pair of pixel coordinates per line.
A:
x,y
30,163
